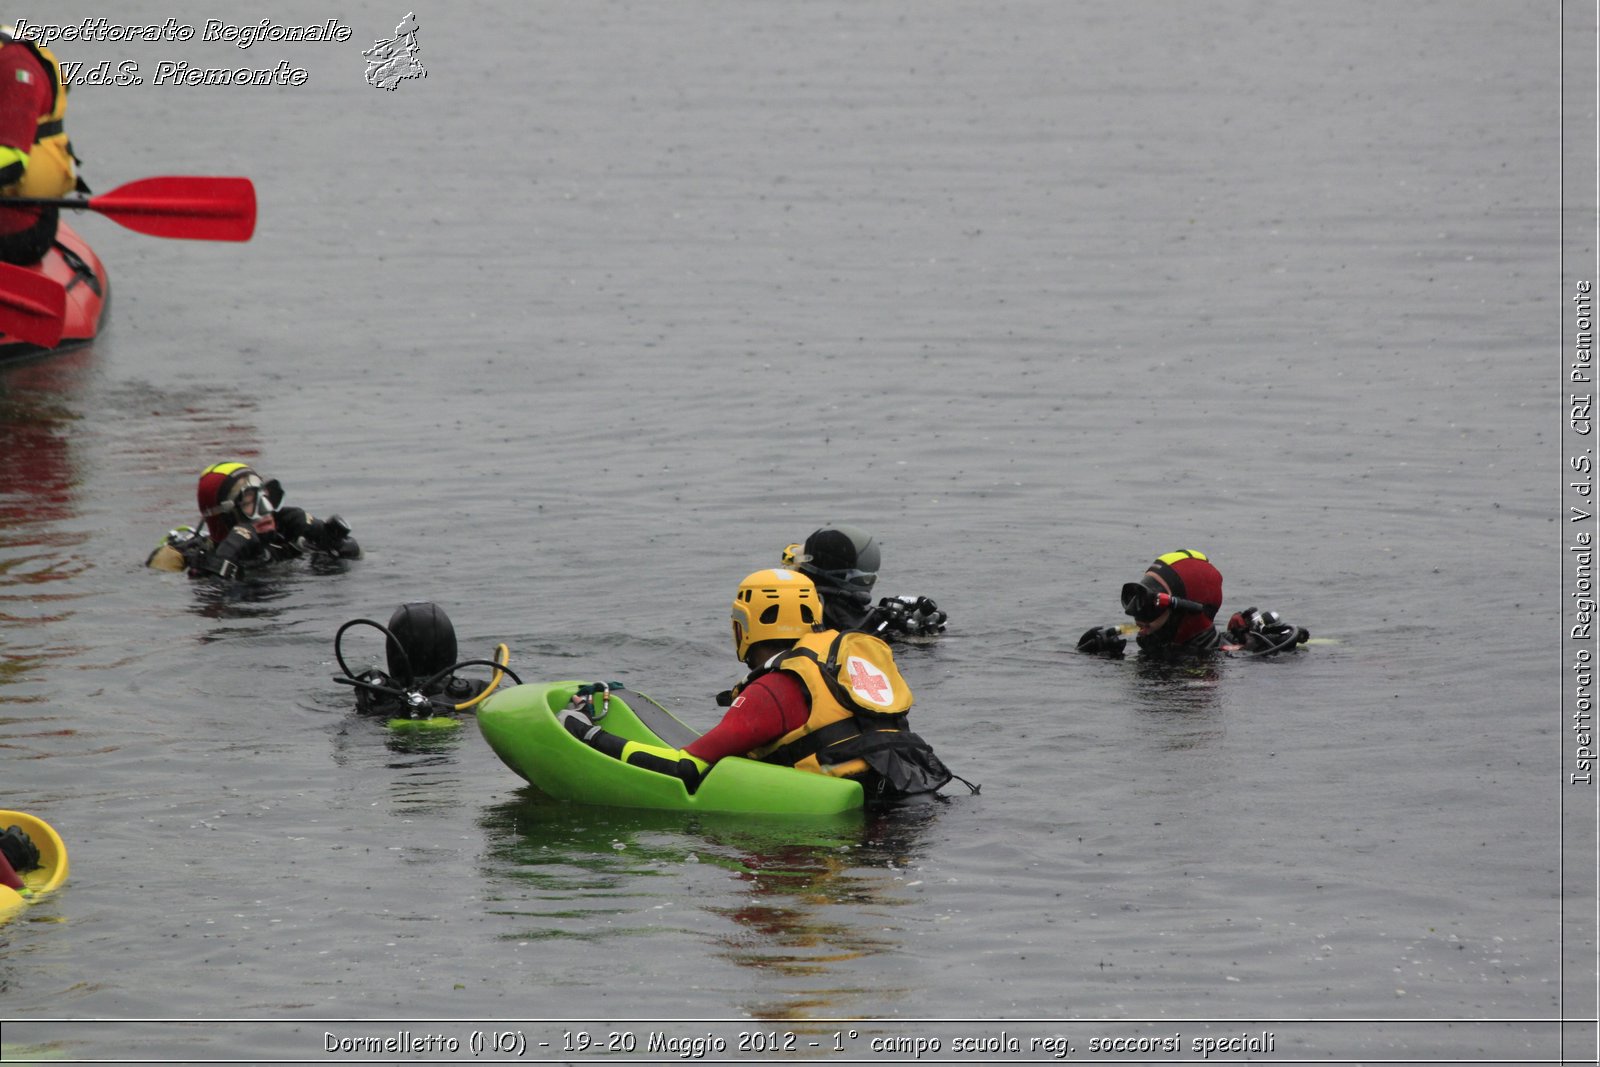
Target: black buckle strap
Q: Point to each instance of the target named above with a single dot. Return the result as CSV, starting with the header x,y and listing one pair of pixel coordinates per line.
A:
x,y
813,743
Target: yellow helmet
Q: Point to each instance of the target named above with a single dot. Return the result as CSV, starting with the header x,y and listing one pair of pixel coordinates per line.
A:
x,y
774,605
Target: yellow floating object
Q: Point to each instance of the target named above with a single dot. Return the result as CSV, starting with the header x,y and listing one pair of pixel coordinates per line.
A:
x,y
436,722
43,879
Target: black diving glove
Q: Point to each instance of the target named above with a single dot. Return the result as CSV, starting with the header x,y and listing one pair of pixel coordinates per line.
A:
x,y
1103,641
337,534
1264,632
241,545
332,535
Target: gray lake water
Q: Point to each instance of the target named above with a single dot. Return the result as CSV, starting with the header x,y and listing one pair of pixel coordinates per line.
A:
x,y
621,298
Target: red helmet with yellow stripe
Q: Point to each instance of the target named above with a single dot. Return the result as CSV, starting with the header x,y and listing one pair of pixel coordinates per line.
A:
x,y
1177,597
231,493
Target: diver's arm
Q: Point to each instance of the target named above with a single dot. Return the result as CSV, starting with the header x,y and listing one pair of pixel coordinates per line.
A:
x,y
330,535
242,546
1103,641
1263,633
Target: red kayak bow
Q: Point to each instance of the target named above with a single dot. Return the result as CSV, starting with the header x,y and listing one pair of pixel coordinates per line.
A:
x,y
32,307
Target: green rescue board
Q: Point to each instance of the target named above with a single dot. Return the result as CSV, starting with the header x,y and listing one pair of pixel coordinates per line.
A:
x,y
520,725
45,878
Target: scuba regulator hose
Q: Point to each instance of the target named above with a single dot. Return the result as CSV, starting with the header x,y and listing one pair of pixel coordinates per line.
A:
x,y
502,657
414,696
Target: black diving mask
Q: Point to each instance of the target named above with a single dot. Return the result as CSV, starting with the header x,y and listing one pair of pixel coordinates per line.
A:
x,y
1145,600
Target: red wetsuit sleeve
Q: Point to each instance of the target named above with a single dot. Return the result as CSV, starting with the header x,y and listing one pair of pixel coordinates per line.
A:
x,y
24,96
767,708
8,876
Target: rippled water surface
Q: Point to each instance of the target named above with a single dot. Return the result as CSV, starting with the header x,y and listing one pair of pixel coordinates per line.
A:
x,y
620,299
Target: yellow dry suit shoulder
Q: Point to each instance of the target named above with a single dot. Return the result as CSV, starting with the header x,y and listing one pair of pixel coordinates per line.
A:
x,y
854,687
858,727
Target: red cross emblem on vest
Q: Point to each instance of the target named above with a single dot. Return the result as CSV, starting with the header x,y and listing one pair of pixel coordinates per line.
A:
x,y
869,681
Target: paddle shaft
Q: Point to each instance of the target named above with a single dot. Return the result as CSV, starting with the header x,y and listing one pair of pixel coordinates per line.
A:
x,y
193,208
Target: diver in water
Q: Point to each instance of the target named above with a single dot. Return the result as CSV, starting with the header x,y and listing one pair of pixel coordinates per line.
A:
x,y
1174,605
420,650
816,699
246,528
843,562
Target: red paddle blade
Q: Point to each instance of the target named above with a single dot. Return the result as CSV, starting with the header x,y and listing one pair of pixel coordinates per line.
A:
x,y
205,209
32,307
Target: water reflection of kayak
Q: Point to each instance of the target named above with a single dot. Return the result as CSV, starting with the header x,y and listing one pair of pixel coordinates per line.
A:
x,y
520,725
50,873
